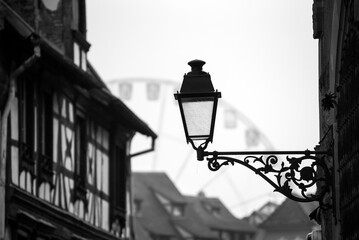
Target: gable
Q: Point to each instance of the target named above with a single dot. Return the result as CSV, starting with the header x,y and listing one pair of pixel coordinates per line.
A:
x,y
288,216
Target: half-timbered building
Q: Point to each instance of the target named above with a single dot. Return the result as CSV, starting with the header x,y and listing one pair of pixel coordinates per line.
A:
x,y
65,140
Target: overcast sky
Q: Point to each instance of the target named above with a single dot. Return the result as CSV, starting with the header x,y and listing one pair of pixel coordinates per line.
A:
x,y
261,55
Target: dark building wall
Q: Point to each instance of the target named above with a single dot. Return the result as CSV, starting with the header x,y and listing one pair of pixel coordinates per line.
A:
x,y
52,22
25,8
322,26
322,23
339,83
348,120
4,80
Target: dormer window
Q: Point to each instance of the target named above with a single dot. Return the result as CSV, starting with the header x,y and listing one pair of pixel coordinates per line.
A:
x,y
79,56
79,16
213,210
137,208
175,209
80,45
80,49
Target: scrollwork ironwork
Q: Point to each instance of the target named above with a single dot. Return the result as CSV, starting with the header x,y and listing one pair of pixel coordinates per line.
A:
x,y
303,179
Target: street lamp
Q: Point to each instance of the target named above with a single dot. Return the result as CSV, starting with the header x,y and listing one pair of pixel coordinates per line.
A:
x,y
198,105
305,178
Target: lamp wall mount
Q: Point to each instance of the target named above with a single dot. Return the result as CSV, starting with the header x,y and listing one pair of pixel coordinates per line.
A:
x,y
302,176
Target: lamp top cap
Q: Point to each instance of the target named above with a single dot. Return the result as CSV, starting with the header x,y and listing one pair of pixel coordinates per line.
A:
x,y
197,81
196,65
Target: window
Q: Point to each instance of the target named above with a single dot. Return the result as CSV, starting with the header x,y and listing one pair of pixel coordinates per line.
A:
x,y
80,45
47,126
177,210
80,56
35,135
77,54
119,176
79,16
137,207
27,124
213,210
29,116
79,191
118,191
81,147
45,171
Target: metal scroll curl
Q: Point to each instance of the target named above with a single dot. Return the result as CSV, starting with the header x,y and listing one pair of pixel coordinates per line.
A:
x,y
303,179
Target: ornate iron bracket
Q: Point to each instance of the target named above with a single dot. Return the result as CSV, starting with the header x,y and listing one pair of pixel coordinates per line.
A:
x,y
305,178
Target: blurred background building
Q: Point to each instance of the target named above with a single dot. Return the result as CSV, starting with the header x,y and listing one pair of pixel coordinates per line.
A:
x,y
164,213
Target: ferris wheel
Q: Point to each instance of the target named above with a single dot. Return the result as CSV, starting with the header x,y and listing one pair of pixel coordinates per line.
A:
x,y
152,100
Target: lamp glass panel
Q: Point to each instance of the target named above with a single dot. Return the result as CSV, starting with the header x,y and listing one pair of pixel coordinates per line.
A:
x,y
198,116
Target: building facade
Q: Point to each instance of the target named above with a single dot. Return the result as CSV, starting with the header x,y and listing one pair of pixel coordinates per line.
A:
x,y
65,140
336,26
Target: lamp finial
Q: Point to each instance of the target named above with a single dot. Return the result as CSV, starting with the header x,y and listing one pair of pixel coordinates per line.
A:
x,y
196,65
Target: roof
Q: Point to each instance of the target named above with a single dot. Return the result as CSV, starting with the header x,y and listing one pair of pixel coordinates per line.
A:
x,y
216,216
258,216
88,80
139,231
154,217
194,224
160,183
290,215
197,220
296,235
308,207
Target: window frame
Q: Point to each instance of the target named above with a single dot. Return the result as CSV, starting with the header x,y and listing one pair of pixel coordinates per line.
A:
x,y
81,130
80,162
45,136
26,97
79,34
